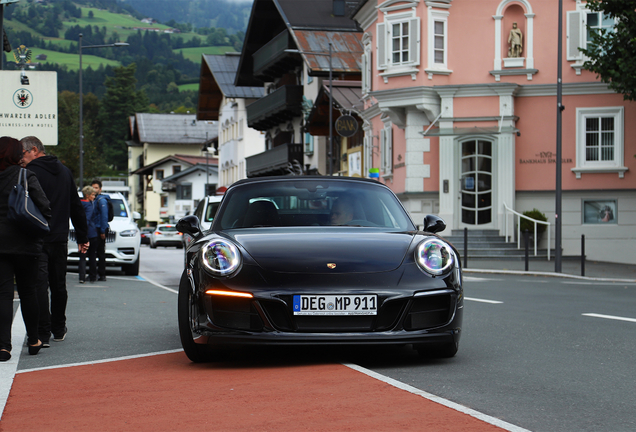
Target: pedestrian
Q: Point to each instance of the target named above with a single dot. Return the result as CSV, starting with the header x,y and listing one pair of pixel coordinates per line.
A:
x,y
88,201
101,224
59,186
19,251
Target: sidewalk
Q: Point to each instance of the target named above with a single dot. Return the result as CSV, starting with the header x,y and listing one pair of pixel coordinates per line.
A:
x,y
570,266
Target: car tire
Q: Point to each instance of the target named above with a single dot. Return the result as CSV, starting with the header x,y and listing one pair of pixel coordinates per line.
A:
x,y
131,269
186,307
153,246
180,246
446,350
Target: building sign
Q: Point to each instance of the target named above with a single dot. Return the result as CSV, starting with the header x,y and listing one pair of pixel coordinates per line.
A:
x,y
544,158
29,109
346,126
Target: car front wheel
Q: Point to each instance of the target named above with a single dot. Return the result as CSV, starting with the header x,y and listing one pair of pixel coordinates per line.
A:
x,y
187,309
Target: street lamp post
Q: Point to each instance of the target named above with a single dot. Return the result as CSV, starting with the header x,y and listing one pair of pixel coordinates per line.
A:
x,y
330,152
81,104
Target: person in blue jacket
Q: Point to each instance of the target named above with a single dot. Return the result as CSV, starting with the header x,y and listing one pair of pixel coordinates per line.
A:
x,y
88,201
101,225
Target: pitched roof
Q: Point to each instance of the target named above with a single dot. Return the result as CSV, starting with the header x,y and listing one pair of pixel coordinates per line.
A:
x,y
172,129
223,68
271,17
217,80
190,160
212,169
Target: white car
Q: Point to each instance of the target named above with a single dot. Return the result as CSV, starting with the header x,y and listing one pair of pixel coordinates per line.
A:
x,y
166,235
205,211
122,242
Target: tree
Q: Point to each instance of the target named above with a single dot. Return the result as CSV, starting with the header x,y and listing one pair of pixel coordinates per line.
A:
x,y
67,150
121,101
612,53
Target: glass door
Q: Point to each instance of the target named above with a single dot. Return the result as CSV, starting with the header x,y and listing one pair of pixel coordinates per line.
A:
x,y
476,182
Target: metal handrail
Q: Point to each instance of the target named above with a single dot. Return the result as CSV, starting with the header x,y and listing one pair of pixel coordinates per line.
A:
x,y
534,221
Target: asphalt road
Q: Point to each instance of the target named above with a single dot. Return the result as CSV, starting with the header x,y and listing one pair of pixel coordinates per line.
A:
x,y
542,353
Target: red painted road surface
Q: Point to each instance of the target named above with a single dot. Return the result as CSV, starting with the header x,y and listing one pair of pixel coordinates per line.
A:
x,y
169,393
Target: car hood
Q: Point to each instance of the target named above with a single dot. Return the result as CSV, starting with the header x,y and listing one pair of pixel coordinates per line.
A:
x,y
317,252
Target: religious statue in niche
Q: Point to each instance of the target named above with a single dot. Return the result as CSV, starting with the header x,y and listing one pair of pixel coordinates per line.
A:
x,y
516,42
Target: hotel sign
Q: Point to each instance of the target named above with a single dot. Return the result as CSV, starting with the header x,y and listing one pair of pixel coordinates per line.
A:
x,y
29,109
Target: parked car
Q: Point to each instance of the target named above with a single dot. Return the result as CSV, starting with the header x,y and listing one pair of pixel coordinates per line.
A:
x,y
317,260
166,235
146,232
122,242
205,211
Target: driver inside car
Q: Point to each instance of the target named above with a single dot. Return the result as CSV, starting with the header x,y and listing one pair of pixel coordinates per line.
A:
x,y
341,212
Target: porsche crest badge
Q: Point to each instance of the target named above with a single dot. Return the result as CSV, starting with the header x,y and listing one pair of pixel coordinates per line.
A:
x,y
331,265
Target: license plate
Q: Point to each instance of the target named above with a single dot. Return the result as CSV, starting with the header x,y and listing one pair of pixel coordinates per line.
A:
x,y
336,304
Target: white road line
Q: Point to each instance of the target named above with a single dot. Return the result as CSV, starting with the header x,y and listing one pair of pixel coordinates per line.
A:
x,y
483,300
452,405
101,361
144,278
8,369
612,317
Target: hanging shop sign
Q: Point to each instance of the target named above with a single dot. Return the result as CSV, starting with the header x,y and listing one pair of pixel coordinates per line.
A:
x,y
28,105
346,126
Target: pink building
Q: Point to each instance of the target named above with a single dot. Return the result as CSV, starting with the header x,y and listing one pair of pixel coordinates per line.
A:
x,y
460,118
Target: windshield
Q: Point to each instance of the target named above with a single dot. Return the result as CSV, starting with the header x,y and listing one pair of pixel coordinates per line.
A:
x,y
167,229
119,208
319,202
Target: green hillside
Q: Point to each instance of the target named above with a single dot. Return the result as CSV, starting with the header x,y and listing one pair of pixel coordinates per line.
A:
x,y
194,54
122,25
71,60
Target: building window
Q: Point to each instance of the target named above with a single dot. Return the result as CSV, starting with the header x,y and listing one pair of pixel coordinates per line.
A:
x,y
599,140
159,175
398,42
184,191
176,169
439,37
309,144
581,25
600,212
164,201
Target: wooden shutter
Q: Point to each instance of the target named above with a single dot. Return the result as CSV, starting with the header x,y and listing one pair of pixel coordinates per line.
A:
x,y
575,32
381,41
414,41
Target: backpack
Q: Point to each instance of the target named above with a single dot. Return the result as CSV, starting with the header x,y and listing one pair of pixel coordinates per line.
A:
x,y
111,209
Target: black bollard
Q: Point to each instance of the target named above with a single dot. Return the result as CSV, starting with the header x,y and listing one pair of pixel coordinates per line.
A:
x,y
526,239
465,247
582,254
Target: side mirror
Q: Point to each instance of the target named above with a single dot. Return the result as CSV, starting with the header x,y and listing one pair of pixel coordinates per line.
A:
x,y
189,225
136,215
434,224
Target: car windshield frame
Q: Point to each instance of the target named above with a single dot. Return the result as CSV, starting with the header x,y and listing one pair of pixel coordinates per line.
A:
x,y
310,203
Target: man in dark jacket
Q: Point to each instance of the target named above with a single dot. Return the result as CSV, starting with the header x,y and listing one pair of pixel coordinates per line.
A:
x,y
59,187
101,224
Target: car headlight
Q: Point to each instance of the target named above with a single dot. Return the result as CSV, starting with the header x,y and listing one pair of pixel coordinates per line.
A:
x,y
220,257
128,233
434,256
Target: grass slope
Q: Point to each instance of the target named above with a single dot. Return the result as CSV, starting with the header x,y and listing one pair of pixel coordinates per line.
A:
x,y
123,25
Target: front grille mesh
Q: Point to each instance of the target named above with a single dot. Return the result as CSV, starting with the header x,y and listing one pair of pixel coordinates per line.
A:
x,y
110,237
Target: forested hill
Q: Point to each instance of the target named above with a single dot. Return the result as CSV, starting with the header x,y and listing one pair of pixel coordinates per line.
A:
x,y
231,15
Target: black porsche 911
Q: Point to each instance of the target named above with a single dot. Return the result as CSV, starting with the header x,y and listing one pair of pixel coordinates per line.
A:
x,y
317,260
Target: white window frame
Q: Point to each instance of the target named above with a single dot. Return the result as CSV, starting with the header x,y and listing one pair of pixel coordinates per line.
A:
x,y
576,30
437,16
386,150
613,166
384,40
